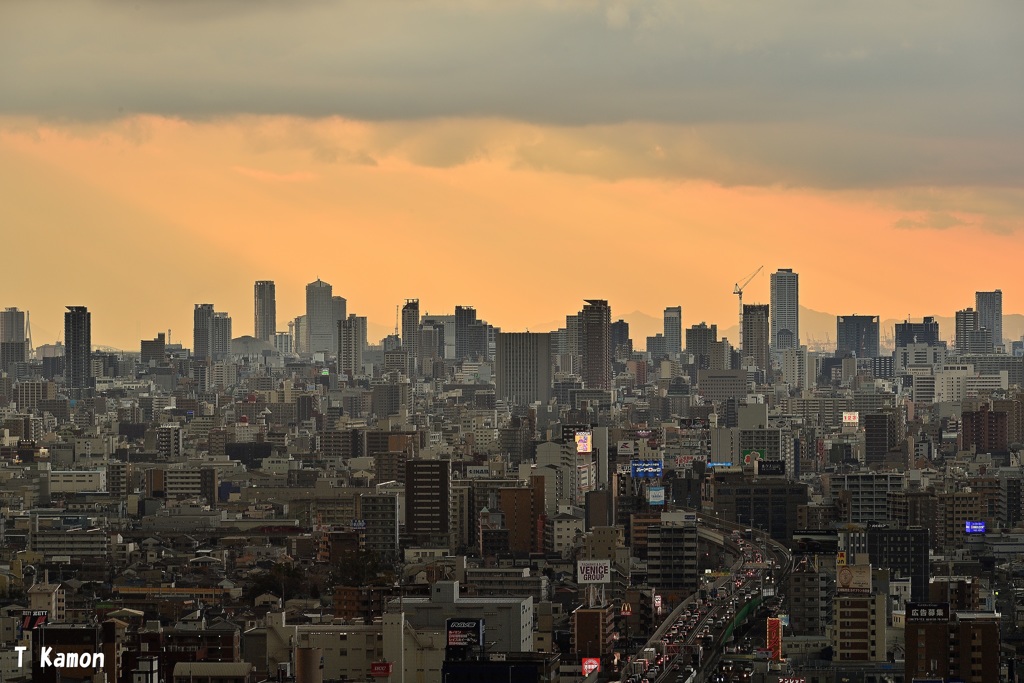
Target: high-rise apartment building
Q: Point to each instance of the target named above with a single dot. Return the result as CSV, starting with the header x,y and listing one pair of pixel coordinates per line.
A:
x,y
785,308
220,336
265,316
595,343
339,311
857,335
202,332
990,313
78,350
411,332
523,367
350,348
320,323
13,339
428,499
971,335
673,323
755,334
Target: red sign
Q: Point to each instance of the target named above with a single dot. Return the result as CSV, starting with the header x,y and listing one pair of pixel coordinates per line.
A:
x,y
591,664
775,638
380,669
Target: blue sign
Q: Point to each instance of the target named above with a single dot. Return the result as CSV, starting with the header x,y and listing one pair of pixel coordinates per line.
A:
x,y
645,469
975,527
719,464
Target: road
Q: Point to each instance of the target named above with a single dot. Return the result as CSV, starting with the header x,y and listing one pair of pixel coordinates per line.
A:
x,y
701,626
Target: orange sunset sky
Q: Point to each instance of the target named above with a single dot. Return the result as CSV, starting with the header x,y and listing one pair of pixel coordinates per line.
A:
x,y
516,157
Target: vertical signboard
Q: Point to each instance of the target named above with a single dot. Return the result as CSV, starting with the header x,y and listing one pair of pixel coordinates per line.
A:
x,y
774,639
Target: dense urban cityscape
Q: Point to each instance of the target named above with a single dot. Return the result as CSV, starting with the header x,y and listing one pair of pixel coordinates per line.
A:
x,y
457,502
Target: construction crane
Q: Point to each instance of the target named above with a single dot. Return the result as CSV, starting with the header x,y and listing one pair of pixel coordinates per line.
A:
x,y
738,291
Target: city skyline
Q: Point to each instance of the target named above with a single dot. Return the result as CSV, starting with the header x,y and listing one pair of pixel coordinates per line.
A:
x,y
739,147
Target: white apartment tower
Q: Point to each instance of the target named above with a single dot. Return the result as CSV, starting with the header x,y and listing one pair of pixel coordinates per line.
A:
x,y
990,313
785,309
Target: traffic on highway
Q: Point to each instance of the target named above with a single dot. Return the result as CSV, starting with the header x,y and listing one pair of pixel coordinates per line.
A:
x,y
700,641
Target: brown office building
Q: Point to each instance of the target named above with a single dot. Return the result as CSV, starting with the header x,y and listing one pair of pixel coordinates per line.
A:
x,y
951,646
428,497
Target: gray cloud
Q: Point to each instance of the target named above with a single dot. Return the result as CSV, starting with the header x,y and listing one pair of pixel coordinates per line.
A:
x,y
807,92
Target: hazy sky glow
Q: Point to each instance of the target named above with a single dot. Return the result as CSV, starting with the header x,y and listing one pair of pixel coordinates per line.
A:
x,y
490,153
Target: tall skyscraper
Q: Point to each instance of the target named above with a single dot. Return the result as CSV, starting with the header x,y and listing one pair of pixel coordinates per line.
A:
x,y
622,346
13,339
595,343
220,336
202,332
523,367
785,308
699,339
411,332
339,311
350,347
924,332
470,334
78,350
755,335
465,316
320,324
990,313
857,335
265,317
673,324
971,335
428,500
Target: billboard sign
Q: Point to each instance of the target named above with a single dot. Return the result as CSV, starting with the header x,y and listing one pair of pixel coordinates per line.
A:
x,y
464,633
627,448
975,527
380,669
770,468
851,418
719,464
646,469
593,571
584,442
751,455
686,461
656,495
928,612
478,472
33,619
854,578
569,432
591,664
